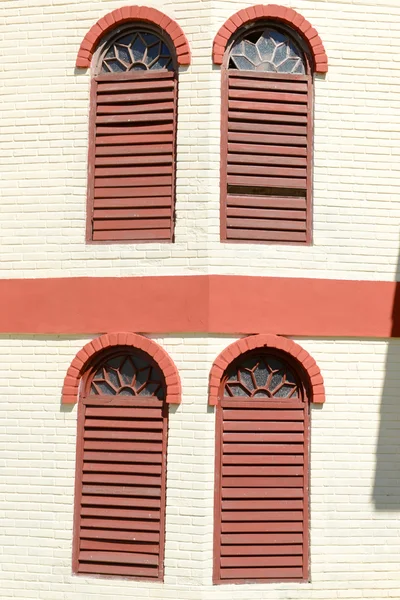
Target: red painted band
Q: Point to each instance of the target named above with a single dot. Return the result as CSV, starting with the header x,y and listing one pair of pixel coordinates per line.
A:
x,y
202,303
277,13
133,13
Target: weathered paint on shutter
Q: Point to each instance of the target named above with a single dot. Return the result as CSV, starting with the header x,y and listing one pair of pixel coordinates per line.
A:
x,y
120,486
261,494
132,157
266,157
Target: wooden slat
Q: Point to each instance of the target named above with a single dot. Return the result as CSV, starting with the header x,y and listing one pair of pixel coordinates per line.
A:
x,y
268,85
265,159
265,527
266,76
263,426
262,123
251,505
135,138
263,459
140,107
131,171
267,139
132,160
260,493
251,414
138,194
140,151
250,482
130,213
259,470
261,213
272,202
254,148
264,550
130,224
100,434
271,107
128,558
130,571
112,478
262,561
121,446
263,573
148,503
274,224
135,235
92,467
244,516
88,511
267,235
106,133
123,423
114,182
119,547
135,412
133,204
119,524
150,118
128,94
258,437
265,181
128,536
262,538
258,93
262,170
121,490
262,448
130,457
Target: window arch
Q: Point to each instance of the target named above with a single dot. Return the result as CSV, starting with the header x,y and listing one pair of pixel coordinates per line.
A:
x,y
261,507
267,129
132,126
119,523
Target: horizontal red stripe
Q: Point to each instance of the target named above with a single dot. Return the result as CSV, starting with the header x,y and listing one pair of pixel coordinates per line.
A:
x,y
314,307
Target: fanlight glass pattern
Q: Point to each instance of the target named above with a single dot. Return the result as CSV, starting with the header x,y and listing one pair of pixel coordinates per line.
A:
x,y
137,51
269,51
261,377
128,375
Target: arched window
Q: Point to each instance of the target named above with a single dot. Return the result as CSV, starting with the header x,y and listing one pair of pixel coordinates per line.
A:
x,y
266,154
121,467
261,474
132,136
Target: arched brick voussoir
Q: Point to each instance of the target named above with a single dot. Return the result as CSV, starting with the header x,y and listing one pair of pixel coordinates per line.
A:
x,y
119,16
278,13
252,342
132,340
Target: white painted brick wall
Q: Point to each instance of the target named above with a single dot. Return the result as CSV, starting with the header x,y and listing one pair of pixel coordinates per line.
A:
x,y
44,131
355,467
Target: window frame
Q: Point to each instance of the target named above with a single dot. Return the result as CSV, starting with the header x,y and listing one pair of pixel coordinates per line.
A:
x,y
84,394
96,76
238,35
254,403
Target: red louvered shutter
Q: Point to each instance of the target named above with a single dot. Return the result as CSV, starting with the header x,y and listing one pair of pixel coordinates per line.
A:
x,y
266,158
120,485
132,157
261,495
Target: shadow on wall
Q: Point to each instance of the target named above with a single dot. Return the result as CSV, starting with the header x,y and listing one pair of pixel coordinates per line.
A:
x,y
386,491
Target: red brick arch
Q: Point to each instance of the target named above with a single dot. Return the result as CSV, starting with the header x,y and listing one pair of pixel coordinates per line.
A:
x,y
85,356
133,13
278,13
277,342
